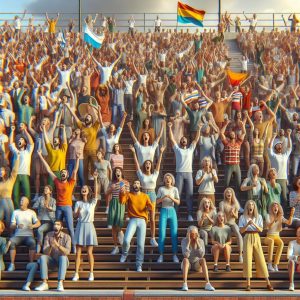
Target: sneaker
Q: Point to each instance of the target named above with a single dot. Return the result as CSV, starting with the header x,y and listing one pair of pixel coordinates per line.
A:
x,y
209,287
190,218
216,268
38,248
153,242
11,267
139,269
270,267
115,251
241,260
160,259
106,210
60,287
121,237
276,268
91,277
175,259
228,269
185,287
26,287
292,287
123,258
42,287
75,277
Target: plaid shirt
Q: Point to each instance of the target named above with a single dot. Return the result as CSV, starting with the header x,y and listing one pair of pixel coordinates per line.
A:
x,y
232,152
258,148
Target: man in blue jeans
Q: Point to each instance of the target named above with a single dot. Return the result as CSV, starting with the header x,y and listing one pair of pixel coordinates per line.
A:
x,y
184,167
57,247
138,205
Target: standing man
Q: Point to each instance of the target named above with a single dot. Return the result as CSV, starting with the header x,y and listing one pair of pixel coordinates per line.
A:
x,y
57,247
184,167
157,24
25,148
131,23
138,203
64,191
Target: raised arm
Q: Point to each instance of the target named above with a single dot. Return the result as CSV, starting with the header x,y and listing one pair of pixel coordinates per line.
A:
x,y
195,141
123,120
27,135
163,123
171,136
136,162
162,149
74,174
129,124
78,122
48,169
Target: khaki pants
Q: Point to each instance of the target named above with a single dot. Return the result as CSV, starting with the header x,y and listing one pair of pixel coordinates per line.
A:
x,y
253,249
270,241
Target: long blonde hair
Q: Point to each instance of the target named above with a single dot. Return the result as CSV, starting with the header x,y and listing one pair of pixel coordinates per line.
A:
x,y
280,210
217,223
227,205
201,205
255,210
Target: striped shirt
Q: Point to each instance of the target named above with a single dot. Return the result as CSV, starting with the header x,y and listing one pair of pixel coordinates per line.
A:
x,y
117,160
232,152
236,101
116,191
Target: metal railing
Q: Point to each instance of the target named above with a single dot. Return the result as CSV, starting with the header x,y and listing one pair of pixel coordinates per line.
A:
x,y
145,21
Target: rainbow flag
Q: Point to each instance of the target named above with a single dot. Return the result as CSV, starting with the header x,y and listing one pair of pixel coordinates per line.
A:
x,y
188,14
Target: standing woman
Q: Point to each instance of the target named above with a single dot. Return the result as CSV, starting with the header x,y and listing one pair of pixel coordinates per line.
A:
x,y
85,233
148,178
251,224
6,188
116,210
230,206
274,188
206,215
206,178
168,195
257,189
274,221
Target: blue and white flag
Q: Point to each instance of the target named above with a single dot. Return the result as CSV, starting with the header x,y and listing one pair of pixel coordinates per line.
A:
x,y
91,38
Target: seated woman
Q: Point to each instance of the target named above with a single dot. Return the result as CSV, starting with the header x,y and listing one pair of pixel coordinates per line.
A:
x,y
274,221
46,207
206,215
295,201
221,241
230,206
274,188
168,196
85,233
205,178
257,189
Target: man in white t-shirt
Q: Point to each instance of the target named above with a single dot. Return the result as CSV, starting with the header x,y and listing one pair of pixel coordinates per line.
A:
x,y
184,167
24,145
293,256
146,151
23,221
131,23
157,24
279,161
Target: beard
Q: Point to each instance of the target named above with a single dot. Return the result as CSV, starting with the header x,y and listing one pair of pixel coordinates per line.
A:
x,y
136,189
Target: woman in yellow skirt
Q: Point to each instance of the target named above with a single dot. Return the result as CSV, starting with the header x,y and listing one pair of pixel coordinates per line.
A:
x,y
251,224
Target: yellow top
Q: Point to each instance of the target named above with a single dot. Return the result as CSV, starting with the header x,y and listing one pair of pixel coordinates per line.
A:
x,y
91,135
57,157
52,26
6,186
137,204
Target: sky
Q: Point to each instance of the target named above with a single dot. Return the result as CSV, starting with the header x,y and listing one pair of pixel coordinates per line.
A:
x,y
162,7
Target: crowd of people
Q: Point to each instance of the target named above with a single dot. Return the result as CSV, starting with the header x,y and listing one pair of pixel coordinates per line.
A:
x,y
64,106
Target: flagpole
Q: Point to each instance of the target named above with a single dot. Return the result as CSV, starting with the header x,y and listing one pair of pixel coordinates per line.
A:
x,y
220,9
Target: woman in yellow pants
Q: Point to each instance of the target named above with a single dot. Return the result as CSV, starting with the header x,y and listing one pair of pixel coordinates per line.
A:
x,y
251,224
274,221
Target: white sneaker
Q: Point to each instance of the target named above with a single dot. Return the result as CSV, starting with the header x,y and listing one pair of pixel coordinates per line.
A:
x,y
60,287
292,287
139,269
241,260
123,258
209,287
270,267
190,218
160,259
26,287
175,259
153,242
11,267
276,268
75,277
115,251
106,210
185,287
91,277
42,287
121,237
